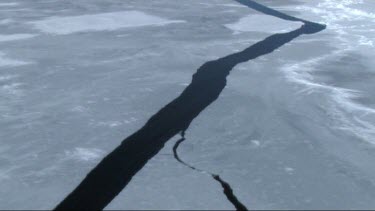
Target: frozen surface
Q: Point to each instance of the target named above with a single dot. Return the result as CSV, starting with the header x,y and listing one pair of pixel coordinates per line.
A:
x,y
6,61
263,23
99,22
11,37
294,129
8,4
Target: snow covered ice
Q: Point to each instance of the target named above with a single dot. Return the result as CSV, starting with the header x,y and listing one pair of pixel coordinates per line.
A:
x,y
293,129
98,22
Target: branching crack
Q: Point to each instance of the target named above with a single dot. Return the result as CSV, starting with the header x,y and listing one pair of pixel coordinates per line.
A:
x,y
227,189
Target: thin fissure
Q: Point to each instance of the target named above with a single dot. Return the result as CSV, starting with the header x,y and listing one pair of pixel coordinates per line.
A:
x,y
227,189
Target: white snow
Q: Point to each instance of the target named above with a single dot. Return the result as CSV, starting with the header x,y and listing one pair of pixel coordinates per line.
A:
x,y
99,22
84,154
263,23
341,18
289,170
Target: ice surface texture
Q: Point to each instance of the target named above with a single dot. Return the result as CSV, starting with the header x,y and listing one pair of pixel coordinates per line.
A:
x,y
99,22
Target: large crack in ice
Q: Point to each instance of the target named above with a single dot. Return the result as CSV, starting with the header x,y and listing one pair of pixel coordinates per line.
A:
x,y
116,170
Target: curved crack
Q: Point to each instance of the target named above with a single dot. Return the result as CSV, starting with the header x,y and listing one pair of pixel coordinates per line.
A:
x,y
115,171
227,189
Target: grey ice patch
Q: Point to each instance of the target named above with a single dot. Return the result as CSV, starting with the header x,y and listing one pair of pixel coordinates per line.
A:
x,y
6,77
233,5
255,143
99,22
84,154
6,21
289,170
13,37
5,61
12,89
9,4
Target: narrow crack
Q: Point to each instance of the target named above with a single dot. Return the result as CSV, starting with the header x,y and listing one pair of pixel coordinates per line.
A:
x,y
229,193
227,189
115,171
